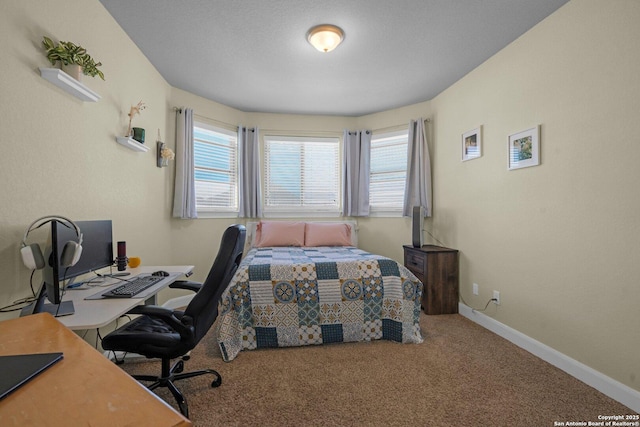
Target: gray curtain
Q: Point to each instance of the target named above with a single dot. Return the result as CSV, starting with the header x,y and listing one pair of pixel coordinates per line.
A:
x,y
417,190
250,206
355,172
184,198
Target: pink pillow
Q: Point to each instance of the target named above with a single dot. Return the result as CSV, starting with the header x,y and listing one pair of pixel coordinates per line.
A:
x,y
279,233
319,234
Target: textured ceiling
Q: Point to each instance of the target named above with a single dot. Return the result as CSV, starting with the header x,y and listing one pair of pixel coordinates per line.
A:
x,y
253,54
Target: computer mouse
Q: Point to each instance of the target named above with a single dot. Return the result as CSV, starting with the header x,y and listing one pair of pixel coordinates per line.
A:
x,y
160,273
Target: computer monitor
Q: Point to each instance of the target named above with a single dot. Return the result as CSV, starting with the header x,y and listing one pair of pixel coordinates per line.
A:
x,y
97,252
97,247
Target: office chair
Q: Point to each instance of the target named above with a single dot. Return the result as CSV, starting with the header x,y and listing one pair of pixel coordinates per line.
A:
x,y
168,334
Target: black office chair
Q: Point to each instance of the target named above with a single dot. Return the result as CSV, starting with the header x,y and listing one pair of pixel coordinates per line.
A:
x,y
167,334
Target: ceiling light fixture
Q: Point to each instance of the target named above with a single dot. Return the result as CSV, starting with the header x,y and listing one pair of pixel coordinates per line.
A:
x,y
325,37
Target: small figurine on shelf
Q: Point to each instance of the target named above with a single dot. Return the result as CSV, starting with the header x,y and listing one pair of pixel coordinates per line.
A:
x,y
132,112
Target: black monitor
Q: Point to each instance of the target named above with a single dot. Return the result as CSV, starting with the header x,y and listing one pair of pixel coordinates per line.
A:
x,y
97,247
97,252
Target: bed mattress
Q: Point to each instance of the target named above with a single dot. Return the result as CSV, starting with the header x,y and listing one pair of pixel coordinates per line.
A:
x,y
293,296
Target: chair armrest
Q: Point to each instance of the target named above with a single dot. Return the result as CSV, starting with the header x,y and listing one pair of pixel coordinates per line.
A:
x,y
186,284
152,310
164,314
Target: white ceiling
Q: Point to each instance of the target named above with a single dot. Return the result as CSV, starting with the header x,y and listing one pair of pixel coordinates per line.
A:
x,y
253,55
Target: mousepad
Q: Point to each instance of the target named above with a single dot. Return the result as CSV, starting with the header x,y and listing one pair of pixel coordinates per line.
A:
x,y
143,294
18,369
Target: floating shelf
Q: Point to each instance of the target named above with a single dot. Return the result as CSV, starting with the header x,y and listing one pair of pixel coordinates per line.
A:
x,y
69,84
132,144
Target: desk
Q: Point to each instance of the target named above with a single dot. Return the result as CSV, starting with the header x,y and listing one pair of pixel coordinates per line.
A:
x,y
83,388
93,314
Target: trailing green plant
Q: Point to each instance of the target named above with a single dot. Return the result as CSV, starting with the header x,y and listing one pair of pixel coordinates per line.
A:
x,y
70,53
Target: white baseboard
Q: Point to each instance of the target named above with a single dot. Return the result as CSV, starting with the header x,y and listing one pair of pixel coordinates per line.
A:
x,y
604,384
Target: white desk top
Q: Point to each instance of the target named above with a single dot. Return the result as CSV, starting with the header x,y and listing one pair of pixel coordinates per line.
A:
x,y
92,314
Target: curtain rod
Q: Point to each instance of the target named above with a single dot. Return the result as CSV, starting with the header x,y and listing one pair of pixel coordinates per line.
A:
x,y
394,128
384,129
225,125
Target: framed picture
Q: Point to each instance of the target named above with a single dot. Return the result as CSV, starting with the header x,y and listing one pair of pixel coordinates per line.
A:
x,y
472,144
524,148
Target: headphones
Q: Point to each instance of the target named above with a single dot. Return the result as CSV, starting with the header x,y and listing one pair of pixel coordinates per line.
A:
x,y
32,254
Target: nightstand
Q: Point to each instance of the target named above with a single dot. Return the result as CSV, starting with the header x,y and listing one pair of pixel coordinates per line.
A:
x,y
437,269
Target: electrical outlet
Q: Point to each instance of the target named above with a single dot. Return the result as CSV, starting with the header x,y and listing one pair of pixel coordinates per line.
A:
x,y
496,297
475,289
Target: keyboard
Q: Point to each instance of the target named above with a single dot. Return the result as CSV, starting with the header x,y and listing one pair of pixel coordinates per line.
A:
x,y
133,287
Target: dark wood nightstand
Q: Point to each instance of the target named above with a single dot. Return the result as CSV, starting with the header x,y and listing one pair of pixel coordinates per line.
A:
x,y
437,269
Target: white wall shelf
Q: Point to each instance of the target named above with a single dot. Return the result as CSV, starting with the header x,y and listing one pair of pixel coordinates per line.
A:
x,y
132,144
69,84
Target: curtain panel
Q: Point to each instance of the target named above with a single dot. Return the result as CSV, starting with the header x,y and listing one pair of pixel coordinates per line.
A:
x,y
249,195
355,172
184,198
418,185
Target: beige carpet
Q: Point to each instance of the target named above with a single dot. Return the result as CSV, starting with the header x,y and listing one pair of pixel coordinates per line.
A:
x,y
462,375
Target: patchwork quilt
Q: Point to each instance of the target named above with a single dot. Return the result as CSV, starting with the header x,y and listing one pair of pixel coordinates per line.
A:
x,y
292,296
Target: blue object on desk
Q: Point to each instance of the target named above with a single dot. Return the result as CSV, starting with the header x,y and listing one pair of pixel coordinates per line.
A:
x,y
75,285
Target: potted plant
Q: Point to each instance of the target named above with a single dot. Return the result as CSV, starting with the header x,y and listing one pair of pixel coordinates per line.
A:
x,y
69,53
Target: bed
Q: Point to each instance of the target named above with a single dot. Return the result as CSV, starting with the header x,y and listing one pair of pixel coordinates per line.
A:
x,y
307,284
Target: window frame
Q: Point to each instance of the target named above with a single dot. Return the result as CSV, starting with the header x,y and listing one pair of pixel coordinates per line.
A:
x,y
391,212
301,212
221,212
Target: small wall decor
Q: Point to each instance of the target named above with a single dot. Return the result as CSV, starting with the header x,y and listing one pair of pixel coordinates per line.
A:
x,y
138,134
164,153
133,111
524,148
69,54
472,144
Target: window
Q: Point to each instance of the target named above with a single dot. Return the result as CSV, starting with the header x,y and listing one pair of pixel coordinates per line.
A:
x,y
388,172
301,175
215,153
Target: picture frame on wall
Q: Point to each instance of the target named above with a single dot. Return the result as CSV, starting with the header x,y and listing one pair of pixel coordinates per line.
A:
x,y
472,144
524,148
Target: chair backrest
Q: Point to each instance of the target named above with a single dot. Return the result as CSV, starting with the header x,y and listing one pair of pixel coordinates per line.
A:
x,y
203,308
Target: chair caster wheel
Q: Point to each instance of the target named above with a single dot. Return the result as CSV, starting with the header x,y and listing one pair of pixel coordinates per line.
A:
x,y
216,382
179,367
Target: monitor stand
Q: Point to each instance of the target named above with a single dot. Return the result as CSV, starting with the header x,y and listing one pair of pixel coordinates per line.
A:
x,y
65,308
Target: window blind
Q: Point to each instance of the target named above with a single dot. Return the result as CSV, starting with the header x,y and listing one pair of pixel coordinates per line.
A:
x,y
215,169
301,174
388,171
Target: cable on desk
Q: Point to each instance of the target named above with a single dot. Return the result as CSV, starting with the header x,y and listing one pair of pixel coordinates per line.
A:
x,y
26,300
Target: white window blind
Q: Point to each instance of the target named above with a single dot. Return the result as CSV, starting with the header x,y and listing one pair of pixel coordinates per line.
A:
x,y
388,172
215,169
301,175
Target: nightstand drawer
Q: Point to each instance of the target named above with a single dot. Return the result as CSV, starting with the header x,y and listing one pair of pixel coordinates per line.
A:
x,y
414,262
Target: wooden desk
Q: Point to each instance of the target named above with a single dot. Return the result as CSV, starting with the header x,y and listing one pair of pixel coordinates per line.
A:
x,y
84,388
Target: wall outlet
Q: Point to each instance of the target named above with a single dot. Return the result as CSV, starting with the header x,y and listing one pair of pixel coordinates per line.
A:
x,y
475,289
496,297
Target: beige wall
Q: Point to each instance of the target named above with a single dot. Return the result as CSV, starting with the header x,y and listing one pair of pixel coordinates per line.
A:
x,y
60,155
559,241
556,240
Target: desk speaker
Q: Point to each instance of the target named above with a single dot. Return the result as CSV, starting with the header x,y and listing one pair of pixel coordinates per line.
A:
x,y
121,259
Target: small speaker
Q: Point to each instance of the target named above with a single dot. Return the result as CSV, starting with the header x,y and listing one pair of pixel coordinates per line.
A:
x,y
121,259
417,225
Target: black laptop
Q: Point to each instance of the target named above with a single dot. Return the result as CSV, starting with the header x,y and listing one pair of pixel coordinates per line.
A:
x,y
17,370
